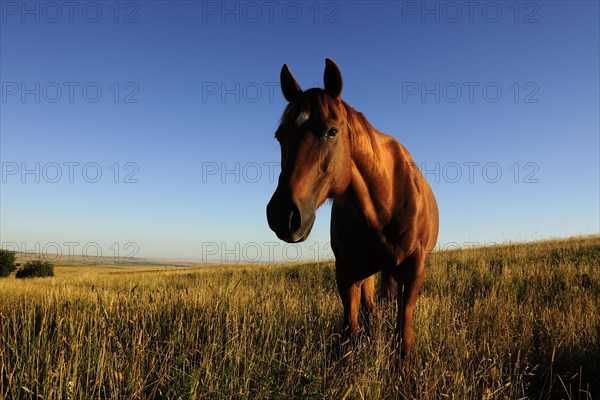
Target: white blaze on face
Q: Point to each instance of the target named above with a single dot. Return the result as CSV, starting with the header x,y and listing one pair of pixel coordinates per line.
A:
x,y
302,118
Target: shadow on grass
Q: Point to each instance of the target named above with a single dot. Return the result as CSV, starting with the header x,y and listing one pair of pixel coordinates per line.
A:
x,y
569,373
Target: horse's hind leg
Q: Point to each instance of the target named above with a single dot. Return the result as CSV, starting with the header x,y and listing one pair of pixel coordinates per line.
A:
x,y
409,275
389,288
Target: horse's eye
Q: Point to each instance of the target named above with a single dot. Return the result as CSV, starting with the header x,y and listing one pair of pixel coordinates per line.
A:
x,y
331,133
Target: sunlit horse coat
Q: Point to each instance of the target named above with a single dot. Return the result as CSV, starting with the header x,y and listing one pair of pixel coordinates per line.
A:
x,y
384,214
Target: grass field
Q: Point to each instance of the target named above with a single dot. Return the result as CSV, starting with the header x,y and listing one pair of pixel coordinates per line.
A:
x,y
503,322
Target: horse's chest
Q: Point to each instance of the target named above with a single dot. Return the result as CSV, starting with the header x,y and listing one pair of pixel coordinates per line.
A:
x,y
354,242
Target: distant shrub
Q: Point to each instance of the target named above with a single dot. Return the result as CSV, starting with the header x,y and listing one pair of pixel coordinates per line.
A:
x,y
7,262
36,269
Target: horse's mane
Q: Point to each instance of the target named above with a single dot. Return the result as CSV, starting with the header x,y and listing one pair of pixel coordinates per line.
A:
x,y
362,133
317,102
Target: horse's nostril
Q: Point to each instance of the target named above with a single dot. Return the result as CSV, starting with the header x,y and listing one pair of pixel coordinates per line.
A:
x,y
295,219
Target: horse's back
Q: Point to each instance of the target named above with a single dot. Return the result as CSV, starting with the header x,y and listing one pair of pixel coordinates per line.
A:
x,y
420,192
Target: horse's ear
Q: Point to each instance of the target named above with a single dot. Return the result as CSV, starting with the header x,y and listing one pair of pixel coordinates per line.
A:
x,y
332,78
289,86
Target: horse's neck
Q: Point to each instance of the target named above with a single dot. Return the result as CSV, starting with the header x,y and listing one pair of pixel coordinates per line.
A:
x,y
373,179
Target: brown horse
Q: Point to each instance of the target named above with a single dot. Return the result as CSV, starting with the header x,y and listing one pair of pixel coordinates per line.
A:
x,y
384,215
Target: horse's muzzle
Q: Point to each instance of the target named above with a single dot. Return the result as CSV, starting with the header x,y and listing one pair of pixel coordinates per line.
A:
x,y
288,220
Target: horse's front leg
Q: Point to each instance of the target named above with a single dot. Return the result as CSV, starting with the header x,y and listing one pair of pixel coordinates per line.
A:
x,y
350,293
368,300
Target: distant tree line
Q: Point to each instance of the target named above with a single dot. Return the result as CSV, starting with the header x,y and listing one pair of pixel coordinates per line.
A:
x,y
31,269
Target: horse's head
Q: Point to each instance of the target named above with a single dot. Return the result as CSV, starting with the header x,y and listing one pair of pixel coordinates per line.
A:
x,y
315,154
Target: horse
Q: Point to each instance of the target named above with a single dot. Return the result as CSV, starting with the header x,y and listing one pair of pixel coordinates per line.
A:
x,y
384,214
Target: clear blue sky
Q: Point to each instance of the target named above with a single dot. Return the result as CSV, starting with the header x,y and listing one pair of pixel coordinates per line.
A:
x,y
163,98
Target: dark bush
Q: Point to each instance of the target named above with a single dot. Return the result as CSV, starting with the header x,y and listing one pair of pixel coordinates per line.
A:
x,y
7,262
36,269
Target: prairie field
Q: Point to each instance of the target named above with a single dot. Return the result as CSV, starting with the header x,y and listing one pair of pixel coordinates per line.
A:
x,y
504,322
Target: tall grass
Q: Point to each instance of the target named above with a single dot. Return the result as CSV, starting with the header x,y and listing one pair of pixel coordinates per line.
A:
x,y
514,321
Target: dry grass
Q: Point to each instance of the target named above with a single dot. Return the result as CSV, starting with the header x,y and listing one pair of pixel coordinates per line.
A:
x,y
505,322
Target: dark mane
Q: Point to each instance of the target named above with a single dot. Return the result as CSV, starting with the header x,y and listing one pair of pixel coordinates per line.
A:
x,y
362,132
